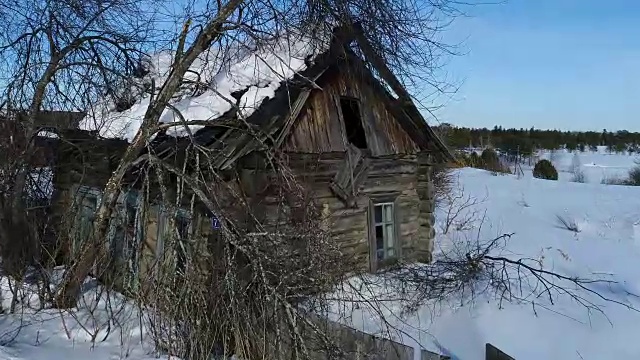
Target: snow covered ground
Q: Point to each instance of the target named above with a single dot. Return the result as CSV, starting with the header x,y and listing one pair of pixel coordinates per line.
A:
x,y
596,165
52,334
607,246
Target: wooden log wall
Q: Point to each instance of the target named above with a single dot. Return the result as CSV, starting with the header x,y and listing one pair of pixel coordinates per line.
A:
x,y
426,195
402,175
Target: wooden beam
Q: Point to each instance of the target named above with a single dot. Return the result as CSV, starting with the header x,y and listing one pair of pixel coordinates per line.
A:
x,y
404,100
493,353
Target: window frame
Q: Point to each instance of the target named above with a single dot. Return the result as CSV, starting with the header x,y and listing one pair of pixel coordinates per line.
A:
x,y
129,254
78,195
376,264
182,239
127,200
164,216
80,192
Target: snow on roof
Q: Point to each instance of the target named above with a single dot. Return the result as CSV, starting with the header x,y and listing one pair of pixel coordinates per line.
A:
x,y
209,83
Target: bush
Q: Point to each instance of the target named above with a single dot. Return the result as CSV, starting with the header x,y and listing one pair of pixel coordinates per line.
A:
x,y
579,177
634,177
462,159
490,160
443,181
576,169
614,181
544,169
474,160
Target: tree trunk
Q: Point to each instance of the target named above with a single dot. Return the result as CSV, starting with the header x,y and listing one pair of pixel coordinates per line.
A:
x,y
81,268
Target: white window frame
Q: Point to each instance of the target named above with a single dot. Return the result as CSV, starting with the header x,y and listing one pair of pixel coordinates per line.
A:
x,y
391,252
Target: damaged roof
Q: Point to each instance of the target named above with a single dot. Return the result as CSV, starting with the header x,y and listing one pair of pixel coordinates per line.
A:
x,y
266,87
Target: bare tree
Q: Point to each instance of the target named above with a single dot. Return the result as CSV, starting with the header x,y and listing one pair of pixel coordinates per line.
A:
x,y
255,21
61,56
65,55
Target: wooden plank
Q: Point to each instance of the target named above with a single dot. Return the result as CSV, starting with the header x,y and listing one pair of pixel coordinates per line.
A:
x,y
351,175
493,353
293,115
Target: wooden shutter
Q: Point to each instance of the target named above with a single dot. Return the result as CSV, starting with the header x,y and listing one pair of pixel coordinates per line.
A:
x,y
353,171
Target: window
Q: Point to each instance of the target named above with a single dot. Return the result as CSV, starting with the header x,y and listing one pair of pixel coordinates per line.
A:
x,y
384,227
384,231
183,223
126,234
353,122
179,246
87,201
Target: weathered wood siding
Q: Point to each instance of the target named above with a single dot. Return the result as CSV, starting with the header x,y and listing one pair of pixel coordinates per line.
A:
x,y
320,127
402,175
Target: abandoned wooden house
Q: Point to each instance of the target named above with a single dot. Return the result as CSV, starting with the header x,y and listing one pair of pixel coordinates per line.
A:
x,y
363,153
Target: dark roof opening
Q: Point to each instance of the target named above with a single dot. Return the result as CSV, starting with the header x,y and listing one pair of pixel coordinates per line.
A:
x,y
353,122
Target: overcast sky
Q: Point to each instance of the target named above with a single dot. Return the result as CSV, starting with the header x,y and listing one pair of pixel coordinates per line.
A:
x,y
567,64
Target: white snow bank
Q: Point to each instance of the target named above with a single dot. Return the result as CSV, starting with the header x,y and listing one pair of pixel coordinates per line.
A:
x,y
207,87
597,166
607,247
103,326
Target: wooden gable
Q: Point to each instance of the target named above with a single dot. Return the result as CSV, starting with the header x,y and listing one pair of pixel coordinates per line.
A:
x,y
320,126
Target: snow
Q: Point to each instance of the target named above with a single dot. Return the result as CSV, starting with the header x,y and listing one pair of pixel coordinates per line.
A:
x,y
206,91
607,246
52,334
597,166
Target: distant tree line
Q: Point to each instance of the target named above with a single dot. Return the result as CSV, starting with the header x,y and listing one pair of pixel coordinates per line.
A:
x,y
525,141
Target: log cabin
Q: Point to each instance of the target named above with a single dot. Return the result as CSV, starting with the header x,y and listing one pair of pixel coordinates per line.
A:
x,y
348,130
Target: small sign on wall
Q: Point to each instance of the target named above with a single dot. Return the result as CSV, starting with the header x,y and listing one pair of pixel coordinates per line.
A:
x,y
215,223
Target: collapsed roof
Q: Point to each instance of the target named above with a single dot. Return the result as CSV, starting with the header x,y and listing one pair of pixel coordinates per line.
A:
x,y
262,85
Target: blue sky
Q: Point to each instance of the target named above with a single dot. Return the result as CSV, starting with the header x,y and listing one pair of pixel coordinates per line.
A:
x,y
564,64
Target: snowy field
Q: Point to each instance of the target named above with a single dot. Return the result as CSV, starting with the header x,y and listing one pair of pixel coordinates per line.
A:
x,y
89,331
606,246
596,165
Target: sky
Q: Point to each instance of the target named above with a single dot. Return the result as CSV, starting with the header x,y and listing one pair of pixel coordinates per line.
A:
x,y
557,64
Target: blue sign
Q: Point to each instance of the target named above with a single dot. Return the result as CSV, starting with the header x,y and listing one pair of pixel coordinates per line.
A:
x,y
215,223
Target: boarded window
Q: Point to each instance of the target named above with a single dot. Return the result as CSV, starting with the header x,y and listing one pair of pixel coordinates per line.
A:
x,y
353,122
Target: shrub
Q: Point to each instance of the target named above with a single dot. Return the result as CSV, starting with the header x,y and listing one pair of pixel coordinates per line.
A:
x,y
634,177
613,181
568,223
490,160
474,160
462,159
576,169
443,181
579,177
544,169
